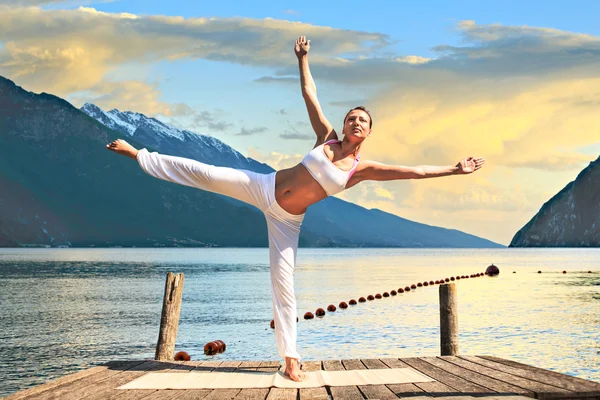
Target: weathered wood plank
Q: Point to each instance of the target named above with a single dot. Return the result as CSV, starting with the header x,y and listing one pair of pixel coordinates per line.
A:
x,y
313,393
374,363
252,393
269,366
282,394
108,388
196,394
519,377
435,388
394,363
476,375
405,390
86,388
341,392
64,380
444,377
371,391
566,381
64,390
223,394
353,364
228,366
147,394
156,395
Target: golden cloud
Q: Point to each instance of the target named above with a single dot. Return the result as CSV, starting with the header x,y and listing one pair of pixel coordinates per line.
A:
x,y
274,159
139,96
70,50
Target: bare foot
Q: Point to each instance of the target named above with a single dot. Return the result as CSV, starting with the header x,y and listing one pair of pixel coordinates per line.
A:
x,y
292,369
120,146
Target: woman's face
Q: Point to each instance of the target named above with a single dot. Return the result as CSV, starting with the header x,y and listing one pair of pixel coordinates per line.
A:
x,y
357,124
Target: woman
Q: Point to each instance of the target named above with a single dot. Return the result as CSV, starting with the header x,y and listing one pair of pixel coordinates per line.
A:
x,y
283,196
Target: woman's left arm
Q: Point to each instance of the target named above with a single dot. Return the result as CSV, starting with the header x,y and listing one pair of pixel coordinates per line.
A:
x,y
374,171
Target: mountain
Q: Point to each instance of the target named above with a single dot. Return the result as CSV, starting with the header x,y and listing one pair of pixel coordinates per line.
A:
x,y
59,186
569,219
341,222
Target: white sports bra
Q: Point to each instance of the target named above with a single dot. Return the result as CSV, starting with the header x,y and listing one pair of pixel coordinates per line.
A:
x,y
332,179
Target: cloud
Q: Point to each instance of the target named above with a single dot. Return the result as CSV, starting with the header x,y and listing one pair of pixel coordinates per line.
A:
x,y
250,132
291,12
296,136
26,3
274,79
413,59
276,160
347,103
137,95
72,50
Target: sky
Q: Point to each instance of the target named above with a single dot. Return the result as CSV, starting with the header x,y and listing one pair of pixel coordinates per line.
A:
x,y
514,82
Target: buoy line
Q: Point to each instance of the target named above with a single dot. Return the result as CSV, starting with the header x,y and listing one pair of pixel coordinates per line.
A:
x,y
492,270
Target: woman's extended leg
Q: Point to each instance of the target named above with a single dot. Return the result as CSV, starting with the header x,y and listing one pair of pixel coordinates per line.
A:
x,y
242,185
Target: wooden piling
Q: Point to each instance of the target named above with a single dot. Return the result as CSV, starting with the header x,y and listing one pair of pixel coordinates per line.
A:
x,y
448,320
169,320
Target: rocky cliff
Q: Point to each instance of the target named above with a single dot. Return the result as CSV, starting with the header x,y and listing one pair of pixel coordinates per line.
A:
x,y
569,219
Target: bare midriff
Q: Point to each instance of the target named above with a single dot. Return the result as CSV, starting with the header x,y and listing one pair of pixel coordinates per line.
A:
x,y
296,189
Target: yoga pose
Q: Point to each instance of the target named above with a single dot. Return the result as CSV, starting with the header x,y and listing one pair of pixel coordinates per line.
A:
x,y
283,196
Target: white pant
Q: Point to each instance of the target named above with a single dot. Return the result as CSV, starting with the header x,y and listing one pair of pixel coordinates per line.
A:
x,y
283,228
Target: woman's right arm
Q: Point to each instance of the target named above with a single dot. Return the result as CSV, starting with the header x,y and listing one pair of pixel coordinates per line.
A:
x,y
320,124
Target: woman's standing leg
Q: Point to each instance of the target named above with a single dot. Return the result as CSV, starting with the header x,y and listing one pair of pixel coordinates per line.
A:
x,y
284,231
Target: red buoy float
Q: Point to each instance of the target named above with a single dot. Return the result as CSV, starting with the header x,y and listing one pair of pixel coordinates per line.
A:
x,y
370,297
400,290
393,293
425,283
386,294
211,348
320,312
223,345
413,286
331,308
272,324
492,270
309,315
352,302
343,305
378,296
407,289
362,300
182,356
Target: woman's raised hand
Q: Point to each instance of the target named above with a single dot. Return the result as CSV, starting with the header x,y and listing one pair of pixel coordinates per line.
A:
x,y
302,46
469,165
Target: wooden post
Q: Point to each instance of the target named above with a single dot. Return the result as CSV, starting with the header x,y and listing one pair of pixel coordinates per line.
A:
x,y
448,320
169,321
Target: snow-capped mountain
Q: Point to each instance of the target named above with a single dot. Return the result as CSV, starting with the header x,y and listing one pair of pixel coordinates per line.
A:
x,y
168,139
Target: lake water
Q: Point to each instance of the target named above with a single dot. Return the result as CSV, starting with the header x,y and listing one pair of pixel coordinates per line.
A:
x,y
63,310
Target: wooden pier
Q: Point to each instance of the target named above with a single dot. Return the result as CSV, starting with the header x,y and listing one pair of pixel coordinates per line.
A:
x,y
455,378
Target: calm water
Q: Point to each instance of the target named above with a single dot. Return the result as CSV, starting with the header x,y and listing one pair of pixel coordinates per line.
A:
x,y
62,310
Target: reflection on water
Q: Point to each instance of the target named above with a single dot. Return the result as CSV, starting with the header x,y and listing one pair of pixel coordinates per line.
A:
x,y
67,309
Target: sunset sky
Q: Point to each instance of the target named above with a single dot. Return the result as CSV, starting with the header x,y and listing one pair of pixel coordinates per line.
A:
x,y
518,84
